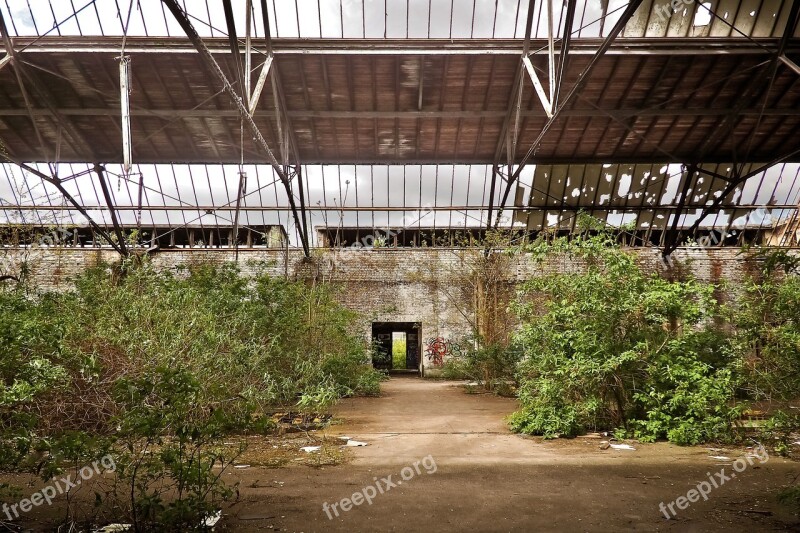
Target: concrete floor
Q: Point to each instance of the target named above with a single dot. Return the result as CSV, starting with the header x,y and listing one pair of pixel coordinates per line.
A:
x,y
487,479
473,475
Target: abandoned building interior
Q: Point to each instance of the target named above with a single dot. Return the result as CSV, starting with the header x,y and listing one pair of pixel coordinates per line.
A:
x,y
414,160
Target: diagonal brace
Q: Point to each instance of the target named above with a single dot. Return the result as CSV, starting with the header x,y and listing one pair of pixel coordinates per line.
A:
x,y
214,67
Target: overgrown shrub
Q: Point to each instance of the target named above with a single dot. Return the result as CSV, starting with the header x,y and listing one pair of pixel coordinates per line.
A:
x,y
781,431
613,347
156,367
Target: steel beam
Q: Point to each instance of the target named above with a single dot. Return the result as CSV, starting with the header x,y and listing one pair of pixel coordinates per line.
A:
x,y
394,209
99,170
673,235
233,41
509,47
240,192
125,112
262,79
551,55
287,137
171,114
785,60
214,67
492,189
537,84
507,137
564,51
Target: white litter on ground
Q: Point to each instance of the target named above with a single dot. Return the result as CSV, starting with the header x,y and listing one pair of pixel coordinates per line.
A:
x,y
355,443
622,447
720,457
309,449
211,520
241,466
113,528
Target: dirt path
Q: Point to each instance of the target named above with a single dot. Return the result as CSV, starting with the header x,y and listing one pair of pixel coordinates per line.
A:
x,y
480,477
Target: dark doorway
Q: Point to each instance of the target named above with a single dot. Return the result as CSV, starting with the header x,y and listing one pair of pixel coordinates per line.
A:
x,y
397,346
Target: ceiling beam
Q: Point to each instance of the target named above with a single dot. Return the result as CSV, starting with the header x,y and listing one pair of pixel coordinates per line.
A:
x,y
100,171
171,114
393,208
579,46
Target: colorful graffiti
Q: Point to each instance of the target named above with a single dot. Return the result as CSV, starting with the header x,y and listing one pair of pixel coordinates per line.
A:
x,y
439,348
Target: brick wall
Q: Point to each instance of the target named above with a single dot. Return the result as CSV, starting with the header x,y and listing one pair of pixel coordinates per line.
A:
x,y
429,286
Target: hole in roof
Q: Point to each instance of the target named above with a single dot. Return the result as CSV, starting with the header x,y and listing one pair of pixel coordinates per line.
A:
x,y
702,16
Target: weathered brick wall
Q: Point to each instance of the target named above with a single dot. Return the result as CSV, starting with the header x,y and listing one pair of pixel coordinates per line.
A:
x,y
429,286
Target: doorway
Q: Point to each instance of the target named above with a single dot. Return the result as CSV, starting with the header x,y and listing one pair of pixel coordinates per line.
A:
x,y
397,346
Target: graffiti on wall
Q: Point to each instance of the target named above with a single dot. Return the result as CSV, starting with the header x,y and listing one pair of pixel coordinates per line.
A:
x,y
439,348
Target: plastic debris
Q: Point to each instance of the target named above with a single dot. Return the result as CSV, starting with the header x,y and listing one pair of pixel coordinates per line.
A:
x,y
622,447
720,457
352,442
241,466
309,449
211,520
113,528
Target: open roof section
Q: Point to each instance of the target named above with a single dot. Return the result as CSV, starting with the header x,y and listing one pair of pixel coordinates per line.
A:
x,y
402,94
403,197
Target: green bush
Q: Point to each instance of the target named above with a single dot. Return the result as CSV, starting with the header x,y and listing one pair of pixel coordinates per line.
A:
x,y
780,432
156,367
614,347
688,396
